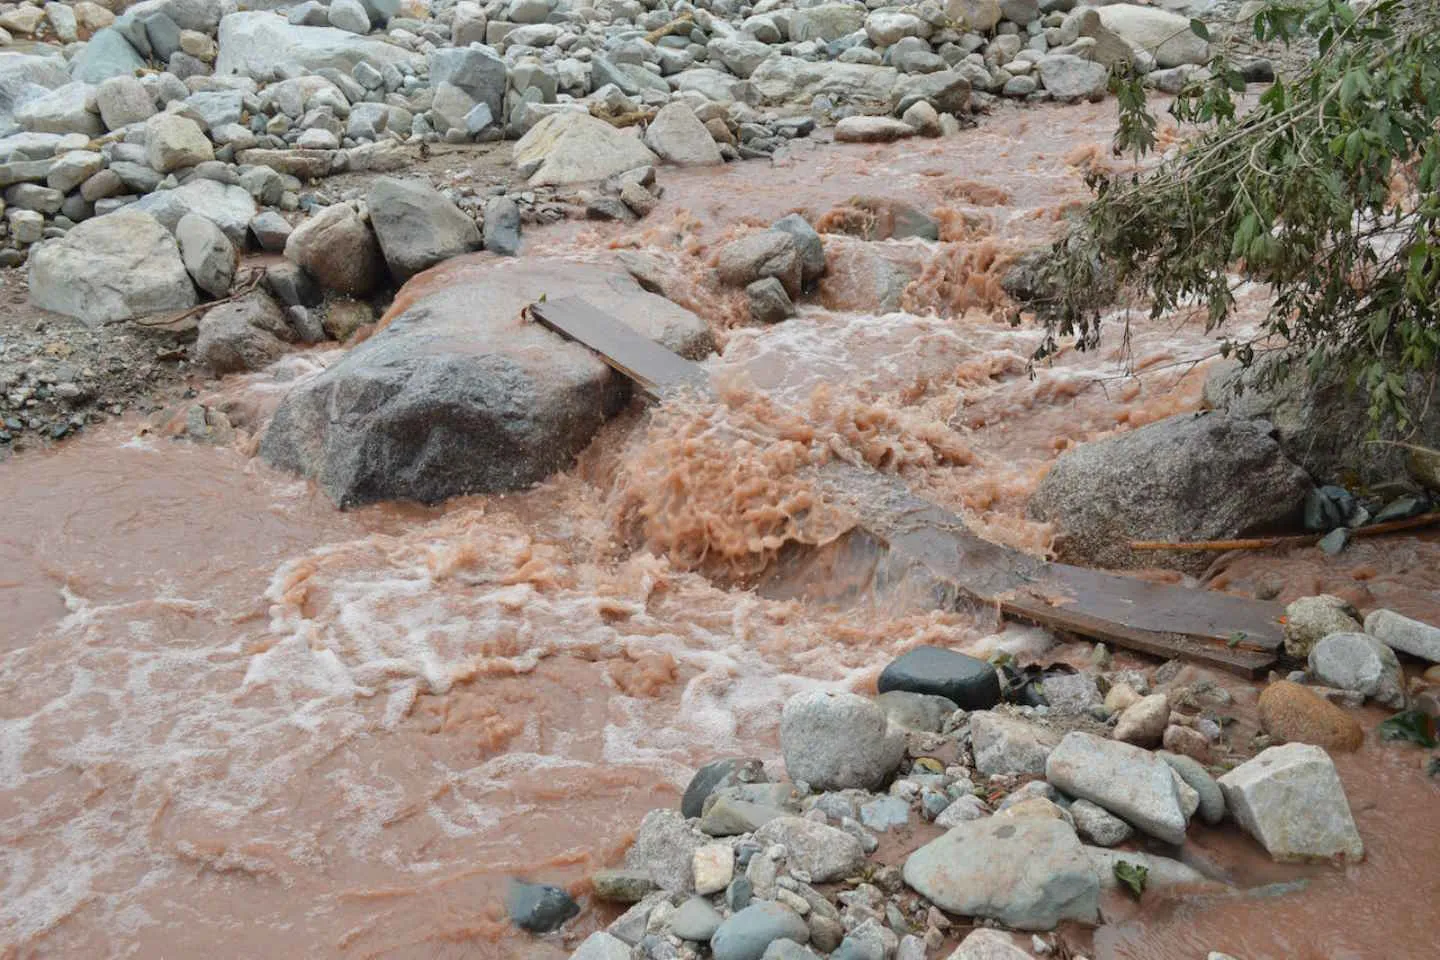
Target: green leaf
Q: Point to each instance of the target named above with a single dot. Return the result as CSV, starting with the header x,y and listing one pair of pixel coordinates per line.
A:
x,y
1198,28
1133,875
1414,726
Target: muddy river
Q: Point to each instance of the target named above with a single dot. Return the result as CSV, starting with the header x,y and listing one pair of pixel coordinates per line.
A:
x,y
235,722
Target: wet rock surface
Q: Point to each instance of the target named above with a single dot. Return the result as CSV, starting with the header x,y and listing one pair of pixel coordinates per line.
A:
x,y
448,399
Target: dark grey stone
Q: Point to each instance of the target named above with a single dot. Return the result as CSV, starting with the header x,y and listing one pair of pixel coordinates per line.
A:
x,y
716,775
292,286
417,227
969,683
457,395
538,907
807,241
1189,477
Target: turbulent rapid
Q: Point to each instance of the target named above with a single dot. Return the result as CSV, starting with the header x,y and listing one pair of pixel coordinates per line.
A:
x,y
236,721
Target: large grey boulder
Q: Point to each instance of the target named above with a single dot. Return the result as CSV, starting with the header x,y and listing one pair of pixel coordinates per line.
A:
x,y
417,226
338,249
740,55
1132,783
782,80
1316,422
123,101
257,44
209,256
1359,662
1027,874
836,741
571,147
200,15
1290,799
245,334
23,75
823,853
478,71
826,22
766,253
678,137
66,109
1189,477
173,142
460,393
115,267
107,54
1166,36
1003,744
229,207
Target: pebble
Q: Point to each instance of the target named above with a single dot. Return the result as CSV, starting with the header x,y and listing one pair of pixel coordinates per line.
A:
x,y
714,867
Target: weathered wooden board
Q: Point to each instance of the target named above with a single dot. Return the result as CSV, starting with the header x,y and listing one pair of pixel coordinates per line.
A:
x,y
912,543
654,368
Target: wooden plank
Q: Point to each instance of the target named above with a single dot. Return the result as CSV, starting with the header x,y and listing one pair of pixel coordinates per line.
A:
x,y
930,549
650,365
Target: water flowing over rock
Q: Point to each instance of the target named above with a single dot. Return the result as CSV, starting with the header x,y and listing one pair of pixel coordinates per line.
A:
x,y
1185,478
835,741
1027,874
1131,783
111,268
460,394
1290,799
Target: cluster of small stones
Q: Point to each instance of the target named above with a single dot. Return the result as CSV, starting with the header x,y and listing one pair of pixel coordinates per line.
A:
x,y
84,141
749,867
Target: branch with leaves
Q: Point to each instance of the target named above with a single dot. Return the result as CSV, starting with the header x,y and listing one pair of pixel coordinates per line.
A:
x,y
1327,190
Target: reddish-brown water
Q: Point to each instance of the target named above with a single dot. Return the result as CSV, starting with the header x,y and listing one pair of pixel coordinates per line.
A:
x,y
234,721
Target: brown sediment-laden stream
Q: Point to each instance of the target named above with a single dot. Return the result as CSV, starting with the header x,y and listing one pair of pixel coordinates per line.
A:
x,y
235,721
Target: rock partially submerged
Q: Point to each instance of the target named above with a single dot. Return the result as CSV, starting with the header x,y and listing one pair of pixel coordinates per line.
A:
x,y
460,394
1186,478
1291,800
1293,713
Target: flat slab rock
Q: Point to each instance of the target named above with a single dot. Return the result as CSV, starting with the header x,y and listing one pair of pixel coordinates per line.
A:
x,y
460,393
1130,782
1027,874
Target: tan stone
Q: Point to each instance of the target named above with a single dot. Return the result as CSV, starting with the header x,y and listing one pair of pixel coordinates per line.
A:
x,y
1294,714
